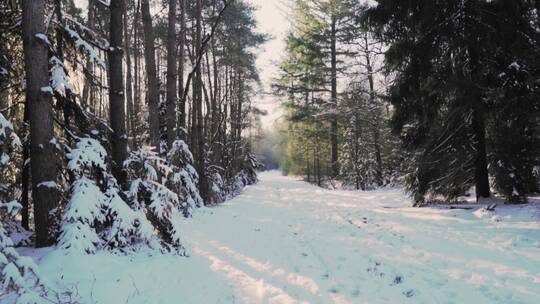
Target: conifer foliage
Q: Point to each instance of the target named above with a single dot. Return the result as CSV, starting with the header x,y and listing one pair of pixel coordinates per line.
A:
x,y
462,69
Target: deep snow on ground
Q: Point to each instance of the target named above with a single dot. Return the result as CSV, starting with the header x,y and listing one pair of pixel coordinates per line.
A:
x,y
285,241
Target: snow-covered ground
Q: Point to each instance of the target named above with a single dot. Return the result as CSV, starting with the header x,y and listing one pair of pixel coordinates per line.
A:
x,y
285,241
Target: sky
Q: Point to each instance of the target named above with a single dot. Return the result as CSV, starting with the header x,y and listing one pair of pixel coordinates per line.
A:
x,y
271,19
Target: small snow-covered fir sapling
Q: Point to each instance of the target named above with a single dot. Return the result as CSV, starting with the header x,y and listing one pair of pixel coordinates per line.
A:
x,y
96,215
147,172
86,200
20,281
184,179
247,175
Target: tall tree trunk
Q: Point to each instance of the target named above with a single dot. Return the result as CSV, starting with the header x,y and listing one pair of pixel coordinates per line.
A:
x,y
201,168
481,175
375,115
43,165
129,83
117,114
25,176
171,74
334,122
88,86
150,60
181,49
478,121
136,74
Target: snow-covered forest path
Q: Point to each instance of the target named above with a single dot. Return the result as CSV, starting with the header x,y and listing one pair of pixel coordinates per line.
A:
x,y
285,241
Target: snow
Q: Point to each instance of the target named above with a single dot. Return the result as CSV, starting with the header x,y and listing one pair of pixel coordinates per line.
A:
x,y
285,241
89,153
47,184
47,89
85,47
43,38
59,79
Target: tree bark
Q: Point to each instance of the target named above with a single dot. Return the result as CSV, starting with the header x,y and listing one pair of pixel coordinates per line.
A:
x,y
181,49
171,74
25,176
334,122
42,150
375,115
87,95
480,164
131,121
150,58
117,114
201,168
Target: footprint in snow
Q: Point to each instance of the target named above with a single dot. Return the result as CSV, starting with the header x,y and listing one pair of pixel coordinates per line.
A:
x,y
409,293
397,280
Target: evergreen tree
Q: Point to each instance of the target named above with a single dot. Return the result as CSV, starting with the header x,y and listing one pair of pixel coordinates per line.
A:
x,y
441,94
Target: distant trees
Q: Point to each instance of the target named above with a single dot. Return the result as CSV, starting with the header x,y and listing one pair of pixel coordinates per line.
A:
x,y
330,79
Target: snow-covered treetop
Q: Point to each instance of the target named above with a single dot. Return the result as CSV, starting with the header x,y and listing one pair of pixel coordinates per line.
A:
x,y
88,154
179,154
146,163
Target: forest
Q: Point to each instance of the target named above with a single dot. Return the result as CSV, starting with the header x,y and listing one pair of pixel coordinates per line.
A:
x,y
134,127
437,96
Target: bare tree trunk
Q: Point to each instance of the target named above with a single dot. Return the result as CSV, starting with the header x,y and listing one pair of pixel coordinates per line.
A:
x,y
131,121
375,113
25,176
150,58
117,114
182,105
334,122
171,74
43,165
87,89
137,68
198,105
478,124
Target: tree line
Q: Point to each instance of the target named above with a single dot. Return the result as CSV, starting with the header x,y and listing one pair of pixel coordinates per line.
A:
x,y
118,117
440,96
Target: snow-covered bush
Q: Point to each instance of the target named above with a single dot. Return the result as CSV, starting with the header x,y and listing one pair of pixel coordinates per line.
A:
x,y
148,172
20,281
184,178
217,191
9,143
247,175
96,215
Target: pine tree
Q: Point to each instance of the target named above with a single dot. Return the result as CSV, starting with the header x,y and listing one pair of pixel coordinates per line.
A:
x,y
39,95
116,91
442,95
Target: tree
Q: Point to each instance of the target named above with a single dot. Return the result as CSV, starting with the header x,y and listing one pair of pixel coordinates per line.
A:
x,y
116,91
39,95
442,93
151,76
172,57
